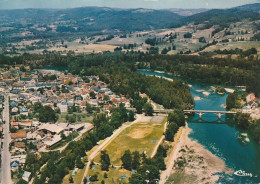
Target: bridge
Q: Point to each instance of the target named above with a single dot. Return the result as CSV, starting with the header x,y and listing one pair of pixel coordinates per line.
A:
x,y
201,112
156,111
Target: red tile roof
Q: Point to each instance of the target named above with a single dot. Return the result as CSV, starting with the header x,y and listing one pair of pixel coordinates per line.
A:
x,y
18,135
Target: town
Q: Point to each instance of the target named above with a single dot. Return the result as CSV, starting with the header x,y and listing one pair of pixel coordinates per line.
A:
x,y
49,109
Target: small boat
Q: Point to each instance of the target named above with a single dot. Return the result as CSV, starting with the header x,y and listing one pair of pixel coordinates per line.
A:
x,y
242,173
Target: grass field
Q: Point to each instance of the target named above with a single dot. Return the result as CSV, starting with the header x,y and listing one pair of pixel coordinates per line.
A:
x,y
139,137
77,178
114,175
233,45
83,116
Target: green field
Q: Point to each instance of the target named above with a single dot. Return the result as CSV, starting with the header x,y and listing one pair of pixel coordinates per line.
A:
x,y
84,117
139,137
113,175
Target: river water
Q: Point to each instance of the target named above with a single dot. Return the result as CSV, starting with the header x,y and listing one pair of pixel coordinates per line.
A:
x,y
237,150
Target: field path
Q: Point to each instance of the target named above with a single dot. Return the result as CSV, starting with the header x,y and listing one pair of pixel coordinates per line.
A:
x,y
159,142
107,142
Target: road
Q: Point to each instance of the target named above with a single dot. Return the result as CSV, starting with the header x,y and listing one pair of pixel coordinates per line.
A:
x,y
6,156
106,143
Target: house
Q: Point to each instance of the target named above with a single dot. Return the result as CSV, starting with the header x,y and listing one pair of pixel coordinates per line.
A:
x,y
19,144
24,111
26,176
14,109
14,165
63,106
25,124
250,97
246,109
15,125
18,135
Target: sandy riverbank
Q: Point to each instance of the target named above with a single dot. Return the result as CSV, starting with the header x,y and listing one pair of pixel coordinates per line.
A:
x,y
192,163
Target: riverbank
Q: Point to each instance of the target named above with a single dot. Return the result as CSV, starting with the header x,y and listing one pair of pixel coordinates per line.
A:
x,y
193,163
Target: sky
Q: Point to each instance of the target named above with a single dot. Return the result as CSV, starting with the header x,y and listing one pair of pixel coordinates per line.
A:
x,y
154,4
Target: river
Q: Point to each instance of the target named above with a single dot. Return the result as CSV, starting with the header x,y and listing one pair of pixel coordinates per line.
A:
x,y
221,137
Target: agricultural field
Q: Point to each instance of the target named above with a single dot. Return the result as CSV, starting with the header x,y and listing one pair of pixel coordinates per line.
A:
x,y
244,45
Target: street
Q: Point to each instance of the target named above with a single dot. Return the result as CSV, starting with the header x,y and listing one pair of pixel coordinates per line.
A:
x,y
6,156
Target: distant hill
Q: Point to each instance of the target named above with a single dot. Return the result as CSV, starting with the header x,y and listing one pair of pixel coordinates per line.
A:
x,y
46,23
222,17
87,19
250,7
187,12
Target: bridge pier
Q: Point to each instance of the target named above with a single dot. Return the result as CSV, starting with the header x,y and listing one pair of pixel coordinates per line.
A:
x,y
219,115
200,115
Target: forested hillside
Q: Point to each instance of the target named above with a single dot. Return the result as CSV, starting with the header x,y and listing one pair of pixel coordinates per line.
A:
x,y
221,17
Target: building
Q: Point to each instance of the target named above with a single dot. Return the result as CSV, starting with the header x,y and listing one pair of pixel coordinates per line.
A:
x,y
18,136
26,176
63,106
48,128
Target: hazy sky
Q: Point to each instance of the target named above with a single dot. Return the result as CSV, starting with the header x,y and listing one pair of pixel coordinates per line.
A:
x,y
155,4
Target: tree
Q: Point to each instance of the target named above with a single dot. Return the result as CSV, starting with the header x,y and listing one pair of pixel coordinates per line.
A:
x,y
242,120
136,160
92,95
131,116
105,175
232,100
187,35
94,178
71,179
37,107
105,161
47,114
148,109
127,160
136,179
171,131
177,117
202,40
21,181
79,163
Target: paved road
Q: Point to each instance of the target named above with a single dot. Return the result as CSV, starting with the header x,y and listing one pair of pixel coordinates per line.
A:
x,y
6,156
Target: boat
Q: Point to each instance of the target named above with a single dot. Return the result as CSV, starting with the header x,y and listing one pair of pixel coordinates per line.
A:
x,y
242,173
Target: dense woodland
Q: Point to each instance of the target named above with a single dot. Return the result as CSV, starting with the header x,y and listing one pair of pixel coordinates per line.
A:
x,y
224,71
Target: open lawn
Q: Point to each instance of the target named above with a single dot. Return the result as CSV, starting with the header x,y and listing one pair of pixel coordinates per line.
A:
x,y
76,178
139,137
114,175
80,117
